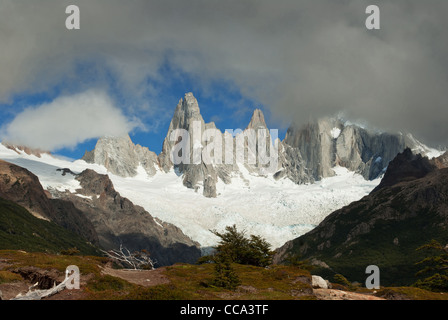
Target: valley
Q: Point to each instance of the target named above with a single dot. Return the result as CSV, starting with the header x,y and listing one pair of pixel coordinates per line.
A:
x,y
122,194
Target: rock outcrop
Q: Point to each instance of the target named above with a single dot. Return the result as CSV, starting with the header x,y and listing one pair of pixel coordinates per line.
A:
x,y
329,142
122,157
118,221
406,167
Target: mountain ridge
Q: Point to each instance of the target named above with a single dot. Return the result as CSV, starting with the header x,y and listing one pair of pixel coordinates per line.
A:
x,y
201,197
306,154
407,210
97,213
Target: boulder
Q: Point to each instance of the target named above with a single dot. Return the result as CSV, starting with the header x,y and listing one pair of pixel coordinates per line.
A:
x,y
319,282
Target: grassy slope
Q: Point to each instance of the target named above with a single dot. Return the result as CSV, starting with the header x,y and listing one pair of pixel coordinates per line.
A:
x,y
187,282
20,230
192,282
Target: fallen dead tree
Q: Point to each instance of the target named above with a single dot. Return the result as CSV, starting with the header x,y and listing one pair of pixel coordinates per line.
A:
x,y
71,281
137,260
41,294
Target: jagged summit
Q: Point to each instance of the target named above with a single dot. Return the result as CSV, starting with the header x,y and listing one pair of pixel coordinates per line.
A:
x,y
187,110
307,154
122,157
257,121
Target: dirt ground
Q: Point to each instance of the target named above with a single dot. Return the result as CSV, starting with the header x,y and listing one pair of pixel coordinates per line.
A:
x,y
331,294
144,278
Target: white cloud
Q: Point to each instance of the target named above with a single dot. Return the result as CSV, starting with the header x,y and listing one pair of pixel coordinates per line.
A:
x,y
67,121
300,58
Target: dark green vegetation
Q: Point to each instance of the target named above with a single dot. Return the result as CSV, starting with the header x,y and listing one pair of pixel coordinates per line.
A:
x,y
435,268
243,250
20,230
235,247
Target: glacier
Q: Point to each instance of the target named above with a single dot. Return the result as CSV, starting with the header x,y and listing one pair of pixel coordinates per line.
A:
x,y
278,210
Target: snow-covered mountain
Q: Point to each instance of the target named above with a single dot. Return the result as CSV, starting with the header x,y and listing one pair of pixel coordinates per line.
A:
x,y
307,154
279,210
320,168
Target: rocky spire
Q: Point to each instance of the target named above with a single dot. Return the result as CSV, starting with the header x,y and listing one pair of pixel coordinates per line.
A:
x,y
186,114
122,157
196,173
307,153
257,120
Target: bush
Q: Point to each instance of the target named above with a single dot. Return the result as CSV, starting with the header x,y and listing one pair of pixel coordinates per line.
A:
x,y
225,276
108,282
436,283
436,264
239,249
340,279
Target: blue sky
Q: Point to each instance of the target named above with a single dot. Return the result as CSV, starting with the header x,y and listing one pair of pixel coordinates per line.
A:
x,y
128,65
221,104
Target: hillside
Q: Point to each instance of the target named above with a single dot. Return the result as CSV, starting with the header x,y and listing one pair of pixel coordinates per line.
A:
x,y
99,280
407,210
20,230
91,208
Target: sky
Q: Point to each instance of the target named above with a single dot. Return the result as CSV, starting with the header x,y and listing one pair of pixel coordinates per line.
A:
x,y
129,64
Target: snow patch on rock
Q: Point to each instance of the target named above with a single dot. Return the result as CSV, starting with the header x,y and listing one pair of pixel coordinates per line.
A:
x,y
335,132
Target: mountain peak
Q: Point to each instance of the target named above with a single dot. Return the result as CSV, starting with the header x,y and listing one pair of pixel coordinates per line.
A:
x,y
257,120
121,156
189,105
404,167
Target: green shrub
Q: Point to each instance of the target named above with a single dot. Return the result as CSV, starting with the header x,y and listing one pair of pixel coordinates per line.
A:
x,y
436,265
239,249
340,279
225,276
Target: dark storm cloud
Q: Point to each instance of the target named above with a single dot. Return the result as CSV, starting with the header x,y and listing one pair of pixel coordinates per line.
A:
x,y
302,59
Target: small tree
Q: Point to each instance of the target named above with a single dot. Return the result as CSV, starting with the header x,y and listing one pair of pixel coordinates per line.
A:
x,y
233,244
225,275
240,249
436,266
259,253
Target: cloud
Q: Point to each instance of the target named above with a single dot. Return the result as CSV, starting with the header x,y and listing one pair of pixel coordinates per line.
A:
x,y
302,59
67,121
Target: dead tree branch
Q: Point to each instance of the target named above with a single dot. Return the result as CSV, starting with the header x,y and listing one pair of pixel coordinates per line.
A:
x,y
137,260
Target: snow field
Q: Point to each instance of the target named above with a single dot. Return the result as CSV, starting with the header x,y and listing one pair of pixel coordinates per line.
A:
x,y
276,210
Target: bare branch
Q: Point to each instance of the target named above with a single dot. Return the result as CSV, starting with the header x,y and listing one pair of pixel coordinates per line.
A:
x,y
136,260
